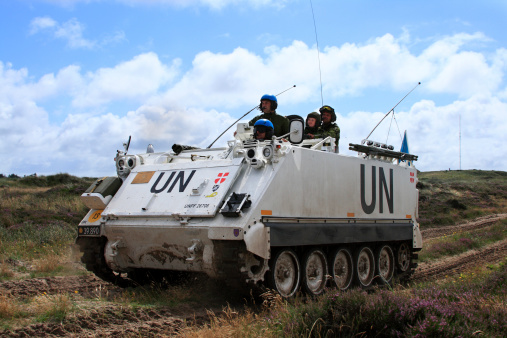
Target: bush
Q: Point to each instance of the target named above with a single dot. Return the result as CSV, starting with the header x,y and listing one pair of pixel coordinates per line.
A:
x,y
51,180
427,312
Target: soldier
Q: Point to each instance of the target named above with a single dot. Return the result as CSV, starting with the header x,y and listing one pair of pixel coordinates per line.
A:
x,y
312,125
328,127
268,106
263,130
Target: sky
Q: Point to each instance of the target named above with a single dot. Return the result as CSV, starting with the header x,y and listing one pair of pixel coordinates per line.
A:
x,y
78,77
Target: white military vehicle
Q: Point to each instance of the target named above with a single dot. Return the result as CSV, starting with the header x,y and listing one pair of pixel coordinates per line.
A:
x,y
286,213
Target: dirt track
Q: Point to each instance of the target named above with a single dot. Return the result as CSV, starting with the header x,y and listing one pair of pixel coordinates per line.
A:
x,y
478,223
114,319
104,319
490,254
446,267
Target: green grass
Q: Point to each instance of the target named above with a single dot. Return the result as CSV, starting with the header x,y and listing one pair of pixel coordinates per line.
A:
x,y
45,181
156,296
462,307
455,244
42,199
30,241
38,221
40,308
451,197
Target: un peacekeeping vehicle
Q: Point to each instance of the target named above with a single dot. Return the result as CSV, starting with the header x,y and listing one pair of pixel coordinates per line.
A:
x,y
287,213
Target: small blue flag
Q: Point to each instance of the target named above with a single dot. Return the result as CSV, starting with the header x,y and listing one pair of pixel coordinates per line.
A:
x,y
404,144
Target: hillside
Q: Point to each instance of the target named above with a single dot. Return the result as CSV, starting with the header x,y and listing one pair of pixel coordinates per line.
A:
x,y
452,197
458,288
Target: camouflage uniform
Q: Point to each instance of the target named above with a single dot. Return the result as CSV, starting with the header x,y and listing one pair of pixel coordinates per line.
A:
x,y
280,122
331,129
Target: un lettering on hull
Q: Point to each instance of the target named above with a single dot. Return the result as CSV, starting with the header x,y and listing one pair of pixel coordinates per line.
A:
x,y
385,189
340,187
186,192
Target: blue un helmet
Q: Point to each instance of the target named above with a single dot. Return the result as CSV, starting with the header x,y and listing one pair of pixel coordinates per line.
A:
x,y
272,98
264,126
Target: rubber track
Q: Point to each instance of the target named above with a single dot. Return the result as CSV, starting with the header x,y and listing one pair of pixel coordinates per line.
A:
x,y
94,260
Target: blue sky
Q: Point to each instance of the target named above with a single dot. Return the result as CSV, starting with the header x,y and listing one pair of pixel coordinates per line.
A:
x,y
77,77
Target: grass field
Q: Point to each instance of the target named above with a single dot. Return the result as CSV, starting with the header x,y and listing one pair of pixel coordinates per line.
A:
x,y
451,197
38,223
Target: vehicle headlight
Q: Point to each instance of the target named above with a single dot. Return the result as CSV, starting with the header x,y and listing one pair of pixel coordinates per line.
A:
x,y
267,152
124,165
250,153
255,159
131,162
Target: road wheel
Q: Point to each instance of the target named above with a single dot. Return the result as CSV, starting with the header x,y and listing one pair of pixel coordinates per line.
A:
x,y
365,266
285,273
342,269
403,257
314,272
385,264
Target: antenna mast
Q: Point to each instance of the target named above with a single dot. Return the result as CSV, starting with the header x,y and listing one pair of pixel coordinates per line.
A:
x,y
248,112
318,54
459,141
392,109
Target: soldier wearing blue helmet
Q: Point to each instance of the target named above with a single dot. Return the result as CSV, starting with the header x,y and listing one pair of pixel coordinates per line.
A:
x,y
263,130
268,106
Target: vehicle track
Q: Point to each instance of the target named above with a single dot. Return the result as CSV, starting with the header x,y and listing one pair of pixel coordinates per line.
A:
x,y
448,266
87,286
472,225
114,321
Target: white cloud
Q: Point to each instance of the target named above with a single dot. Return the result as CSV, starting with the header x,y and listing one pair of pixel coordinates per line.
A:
x,y
72,32
41,23
188,108
133,80
213,4
443,67
433,132
465,74
85,145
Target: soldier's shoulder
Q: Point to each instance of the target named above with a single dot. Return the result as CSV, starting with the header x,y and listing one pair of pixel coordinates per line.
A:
x,y
258,117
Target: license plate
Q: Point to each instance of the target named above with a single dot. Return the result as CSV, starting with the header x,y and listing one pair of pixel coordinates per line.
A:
x,y
88,231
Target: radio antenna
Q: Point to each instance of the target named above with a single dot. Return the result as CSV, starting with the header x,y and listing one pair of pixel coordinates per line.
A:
x,y
248,112
318,53
392,109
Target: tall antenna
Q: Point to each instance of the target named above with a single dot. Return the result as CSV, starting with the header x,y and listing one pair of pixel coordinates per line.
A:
x,y
318,53
248,112
459,141
392,109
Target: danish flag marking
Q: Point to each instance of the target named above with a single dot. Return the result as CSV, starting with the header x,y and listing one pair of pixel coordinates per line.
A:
x,y
221,178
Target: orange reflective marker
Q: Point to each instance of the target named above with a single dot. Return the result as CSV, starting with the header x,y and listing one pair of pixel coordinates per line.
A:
x,y
94,217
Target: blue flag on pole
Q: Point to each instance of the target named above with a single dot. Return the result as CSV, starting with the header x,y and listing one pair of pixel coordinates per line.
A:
x,y
404,144
404,147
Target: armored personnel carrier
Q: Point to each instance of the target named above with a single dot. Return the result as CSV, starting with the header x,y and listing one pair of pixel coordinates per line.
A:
x,y
287,213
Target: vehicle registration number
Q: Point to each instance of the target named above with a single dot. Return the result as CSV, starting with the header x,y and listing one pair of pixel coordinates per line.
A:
x,y
88,230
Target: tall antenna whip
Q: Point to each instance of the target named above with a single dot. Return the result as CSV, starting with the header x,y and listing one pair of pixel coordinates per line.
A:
x,y
459,141
248,112
318,53
392,109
